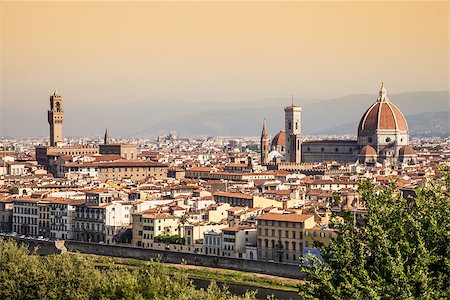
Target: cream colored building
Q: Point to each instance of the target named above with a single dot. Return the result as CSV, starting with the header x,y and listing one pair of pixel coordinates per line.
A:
x,y
280,236
245,200
122,169
147,226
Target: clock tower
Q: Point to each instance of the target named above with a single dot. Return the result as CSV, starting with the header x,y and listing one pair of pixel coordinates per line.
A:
x,y
55,119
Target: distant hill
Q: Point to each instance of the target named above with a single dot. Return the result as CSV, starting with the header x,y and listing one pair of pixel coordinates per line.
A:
x,y
426,113
142,116
424,124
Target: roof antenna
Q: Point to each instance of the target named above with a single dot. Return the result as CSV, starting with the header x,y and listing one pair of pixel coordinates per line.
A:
x,y
292,99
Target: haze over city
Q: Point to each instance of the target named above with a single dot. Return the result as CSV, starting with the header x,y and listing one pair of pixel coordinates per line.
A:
x,y
155,59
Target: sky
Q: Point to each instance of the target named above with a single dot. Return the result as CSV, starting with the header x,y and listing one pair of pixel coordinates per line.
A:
x,y
117,52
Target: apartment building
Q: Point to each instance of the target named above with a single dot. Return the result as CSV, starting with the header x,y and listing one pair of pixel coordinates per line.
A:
x,y
102,219
62,218
280,236
235,241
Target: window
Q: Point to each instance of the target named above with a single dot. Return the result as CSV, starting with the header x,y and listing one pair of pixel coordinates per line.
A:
x,y
306,233
322,149
293,234
388,139
322,234
314,233
286,234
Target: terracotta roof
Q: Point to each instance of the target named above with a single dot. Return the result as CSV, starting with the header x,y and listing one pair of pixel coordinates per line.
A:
x,y
383,115
407,150
279,139
368,150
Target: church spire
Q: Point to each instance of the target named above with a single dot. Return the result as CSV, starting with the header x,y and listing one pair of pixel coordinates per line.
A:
x,y
264,130
106,139
264,145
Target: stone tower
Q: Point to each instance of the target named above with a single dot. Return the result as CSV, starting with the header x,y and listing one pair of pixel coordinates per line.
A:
x,y
264,146
55,119
292,124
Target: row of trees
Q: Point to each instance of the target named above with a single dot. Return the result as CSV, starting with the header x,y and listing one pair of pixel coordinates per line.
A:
x,y
24,275
170,239
401,252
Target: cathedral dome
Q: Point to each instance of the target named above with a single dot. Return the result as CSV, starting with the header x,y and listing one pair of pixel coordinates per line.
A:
x,y
383,115
368,151
406,150
279,140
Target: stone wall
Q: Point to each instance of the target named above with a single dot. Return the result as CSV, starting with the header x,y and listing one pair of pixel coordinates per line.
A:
x,y
270,268
255,266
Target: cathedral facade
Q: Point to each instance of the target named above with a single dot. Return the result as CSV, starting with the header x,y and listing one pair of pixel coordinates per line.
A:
x,y
383,137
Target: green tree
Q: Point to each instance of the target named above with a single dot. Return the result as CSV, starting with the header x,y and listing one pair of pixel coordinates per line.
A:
x,y
401,251
25,275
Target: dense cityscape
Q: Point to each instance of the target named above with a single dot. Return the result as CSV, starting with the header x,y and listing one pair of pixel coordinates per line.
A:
x,y
172,164
260,199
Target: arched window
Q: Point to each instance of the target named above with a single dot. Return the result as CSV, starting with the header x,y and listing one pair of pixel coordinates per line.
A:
x,y
58,107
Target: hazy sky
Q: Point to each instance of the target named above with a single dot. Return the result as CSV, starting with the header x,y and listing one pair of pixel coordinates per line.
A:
x,y
109,52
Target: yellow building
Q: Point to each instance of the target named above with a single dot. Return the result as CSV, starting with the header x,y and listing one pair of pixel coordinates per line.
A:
x,y
147,226
280,236
245,200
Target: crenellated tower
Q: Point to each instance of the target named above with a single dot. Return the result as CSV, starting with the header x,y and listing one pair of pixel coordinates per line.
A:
x,y
55,119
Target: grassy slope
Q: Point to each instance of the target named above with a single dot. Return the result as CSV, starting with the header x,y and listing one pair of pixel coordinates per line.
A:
x,y
206,273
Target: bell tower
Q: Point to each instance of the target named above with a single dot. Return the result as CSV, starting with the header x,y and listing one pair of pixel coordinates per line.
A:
x,y
55,119
292,118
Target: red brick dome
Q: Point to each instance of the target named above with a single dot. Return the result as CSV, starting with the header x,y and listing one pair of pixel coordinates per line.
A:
x,y
406,150
368,150
383,115
279,139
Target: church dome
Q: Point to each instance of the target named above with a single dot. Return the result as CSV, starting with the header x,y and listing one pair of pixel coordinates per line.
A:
x,y
406,150
279,140
383,115
368,151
